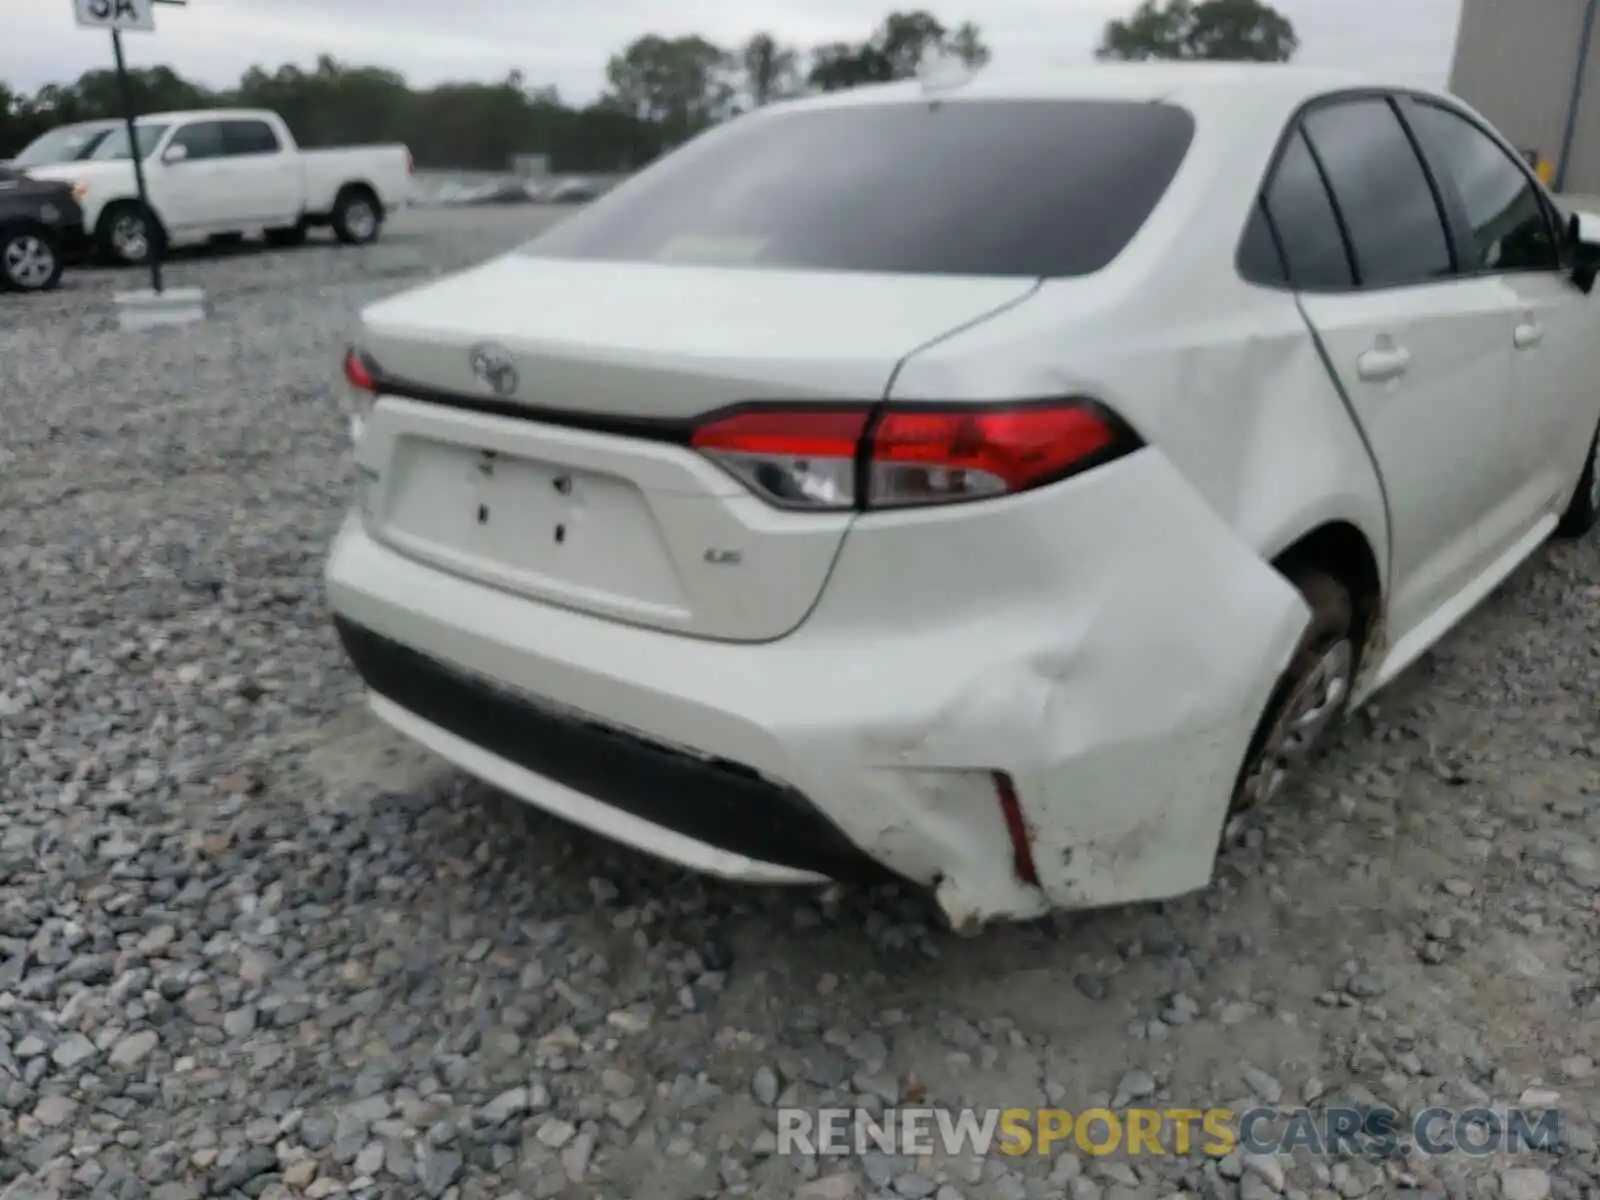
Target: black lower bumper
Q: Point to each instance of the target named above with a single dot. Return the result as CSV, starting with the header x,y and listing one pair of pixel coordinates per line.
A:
x,y
718,803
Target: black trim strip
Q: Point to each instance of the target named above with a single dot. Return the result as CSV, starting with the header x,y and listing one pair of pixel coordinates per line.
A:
x,y
1451,213
1277,238
716,802
1356,281
658,429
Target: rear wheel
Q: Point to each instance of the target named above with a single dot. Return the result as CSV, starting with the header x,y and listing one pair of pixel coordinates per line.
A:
x,y
1584,511
1311,696
357,217
30,259
128,234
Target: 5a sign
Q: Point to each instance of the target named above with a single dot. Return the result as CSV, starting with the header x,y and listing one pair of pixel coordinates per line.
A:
x,y
126,15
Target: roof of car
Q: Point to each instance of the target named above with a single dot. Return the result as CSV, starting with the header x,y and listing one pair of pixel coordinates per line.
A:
x,y
1210,83
214,114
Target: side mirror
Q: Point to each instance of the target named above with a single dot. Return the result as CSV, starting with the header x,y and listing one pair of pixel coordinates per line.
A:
x,y
1583,240
174,154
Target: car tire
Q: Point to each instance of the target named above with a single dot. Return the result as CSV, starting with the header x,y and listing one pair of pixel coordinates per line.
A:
x,y
30,259
357,217
1311,696
293,235
1583,511
128,234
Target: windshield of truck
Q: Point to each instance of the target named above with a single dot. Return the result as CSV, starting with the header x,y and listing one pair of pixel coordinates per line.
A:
x,y
115,144
64,145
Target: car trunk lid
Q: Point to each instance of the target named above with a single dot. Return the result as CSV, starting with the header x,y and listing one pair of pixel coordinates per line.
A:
x,y
571,482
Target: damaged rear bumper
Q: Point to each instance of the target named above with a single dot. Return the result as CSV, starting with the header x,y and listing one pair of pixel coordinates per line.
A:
x,y
1107,644
717,804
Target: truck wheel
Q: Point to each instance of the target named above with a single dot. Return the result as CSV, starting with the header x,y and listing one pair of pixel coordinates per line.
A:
x,y
1583,513
357,216
1311,696
30,259
128,234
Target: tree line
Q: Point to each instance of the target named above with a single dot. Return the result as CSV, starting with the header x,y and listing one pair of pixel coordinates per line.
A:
x,y
660,90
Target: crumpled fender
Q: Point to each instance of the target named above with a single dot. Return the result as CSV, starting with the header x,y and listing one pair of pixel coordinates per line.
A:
x,y
1118,681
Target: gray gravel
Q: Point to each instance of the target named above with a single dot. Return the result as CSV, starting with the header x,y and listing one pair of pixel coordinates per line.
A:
x,y
252,945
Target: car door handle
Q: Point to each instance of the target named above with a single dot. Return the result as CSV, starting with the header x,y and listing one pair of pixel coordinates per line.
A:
x,y
1388,362
1528,335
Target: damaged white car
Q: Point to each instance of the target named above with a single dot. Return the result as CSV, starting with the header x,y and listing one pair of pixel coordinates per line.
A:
x,y
993,483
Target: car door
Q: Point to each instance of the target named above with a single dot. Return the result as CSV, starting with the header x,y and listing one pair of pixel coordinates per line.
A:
x,y
1511,234
1421,353
192,191
266,180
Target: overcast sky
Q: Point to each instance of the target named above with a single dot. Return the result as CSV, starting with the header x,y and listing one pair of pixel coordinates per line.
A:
x,y
566,42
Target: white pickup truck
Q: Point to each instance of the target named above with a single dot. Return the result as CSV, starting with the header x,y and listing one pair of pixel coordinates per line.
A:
x,y
229,173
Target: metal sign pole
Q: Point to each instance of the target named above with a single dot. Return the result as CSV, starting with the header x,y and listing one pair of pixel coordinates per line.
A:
x,y
138,310
125,86
1575,101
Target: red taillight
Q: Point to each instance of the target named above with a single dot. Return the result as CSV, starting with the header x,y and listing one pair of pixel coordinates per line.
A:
x,y
932,456
914,454
795,458
357,373
823,433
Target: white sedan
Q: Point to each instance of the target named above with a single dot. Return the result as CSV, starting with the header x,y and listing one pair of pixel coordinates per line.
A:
x,y
998,484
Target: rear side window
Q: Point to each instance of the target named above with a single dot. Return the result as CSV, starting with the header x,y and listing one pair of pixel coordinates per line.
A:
x,y
1259,260
249,137
1510,229
1298,204
1382,191
944,187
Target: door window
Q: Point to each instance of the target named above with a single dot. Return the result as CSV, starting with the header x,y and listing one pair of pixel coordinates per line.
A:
x,y
1510,228
249,137
202,140
1387,204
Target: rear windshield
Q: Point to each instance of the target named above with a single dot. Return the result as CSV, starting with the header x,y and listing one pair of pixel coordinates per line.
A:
x,y
969,187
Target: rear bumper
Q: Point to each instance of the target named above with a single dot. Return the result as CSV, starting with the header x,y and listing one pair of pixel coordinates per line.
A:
x,y
1107,643
757,828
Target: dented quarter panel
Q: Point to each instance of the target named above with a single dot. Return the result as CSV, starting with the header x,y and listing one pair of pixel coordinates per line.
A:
x,y
1116,668
1237,395
1126,723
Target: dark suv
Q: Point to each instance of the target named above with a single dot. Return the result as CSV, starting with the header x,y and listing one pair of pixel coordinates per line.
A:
x,y
41,228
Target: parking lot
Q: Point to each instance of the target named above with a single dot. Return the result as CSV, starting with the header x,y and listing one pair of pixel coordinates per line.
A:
x,y
250,942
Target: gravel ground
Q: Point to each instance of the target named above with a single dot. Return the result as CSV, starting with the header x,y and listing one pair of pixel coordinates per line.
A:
x,y
250,944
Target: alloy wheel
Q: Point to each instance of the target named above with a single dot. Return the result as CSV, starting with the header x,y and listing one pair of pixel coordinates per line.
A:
x,y
29,261
130,238
360,219
1309,711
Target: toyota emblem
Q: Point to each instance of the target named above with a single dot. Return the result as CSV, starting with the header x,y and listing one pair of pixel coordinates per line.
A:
x,y
494,369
